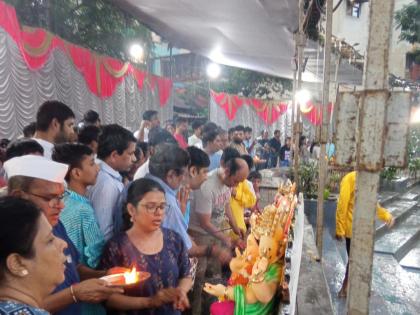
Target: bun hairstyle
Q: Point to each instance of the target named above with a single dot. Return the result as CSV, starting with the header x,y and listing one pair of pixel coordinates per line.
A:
x,y
18,227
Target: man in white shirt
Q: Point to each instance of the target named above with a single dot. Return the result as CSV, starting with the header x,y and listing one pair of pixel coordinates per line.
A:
x,y
157,136
54,124
195,139
150,120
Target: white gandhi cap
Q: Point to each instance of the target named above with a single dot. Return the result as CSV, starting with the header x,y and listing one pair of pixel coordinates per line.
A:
x,y
37,167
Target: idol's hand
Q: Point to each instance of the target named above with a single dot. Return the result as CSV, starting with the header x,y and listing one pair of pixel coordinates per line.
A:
x,y
260,266
217,290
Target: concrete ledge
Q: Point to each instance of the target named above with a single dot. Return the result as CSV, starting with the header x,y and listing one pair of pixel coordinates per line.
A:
x,y
313,296
399,184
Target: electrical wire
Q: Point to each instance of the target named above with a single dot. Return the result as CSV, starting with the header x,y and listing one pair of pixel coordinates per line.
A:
x,y
338,4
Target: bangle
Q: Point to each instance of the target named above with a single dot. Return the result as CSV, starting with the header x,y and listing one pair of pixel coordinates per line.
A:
x,y
73,295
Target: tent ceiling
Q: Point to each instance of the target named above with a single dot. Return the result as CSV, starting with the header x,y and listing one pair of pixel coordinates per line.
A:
x,y
251,34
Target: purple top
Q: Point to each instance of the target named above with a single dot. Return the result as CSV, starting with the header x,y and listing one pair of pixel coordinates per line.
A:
x,y
166,267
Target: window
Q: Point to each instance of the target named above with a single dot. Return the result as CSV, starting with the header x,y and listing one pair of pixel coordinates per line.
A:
x,y
354,8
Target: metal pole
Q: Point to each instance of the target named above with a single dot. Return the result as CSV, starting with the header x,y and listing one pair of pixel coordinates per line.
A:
x,y
369,158
324,129
293,100
300,42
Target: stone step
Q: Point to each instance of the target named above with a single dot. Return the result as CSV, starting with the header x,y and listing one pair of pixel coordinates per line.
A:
x,y
399,240
414,182
400,209
386,197
412,259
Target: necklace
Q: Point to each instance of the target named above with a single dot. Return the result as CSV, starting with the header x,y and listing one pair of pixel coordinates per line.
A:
x,y
25,299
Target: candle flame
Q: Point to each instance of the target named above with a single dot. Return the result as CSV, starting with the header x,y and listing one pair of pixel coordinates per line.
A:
x,y
131,276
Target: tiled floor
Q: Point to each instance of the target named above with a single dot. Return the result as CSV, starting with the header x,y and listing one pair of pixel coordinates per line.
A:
x,y
395,290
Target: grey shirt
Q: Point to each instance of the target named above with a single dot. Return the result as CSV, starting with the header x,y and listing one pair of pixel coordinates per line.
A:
x,y
211,198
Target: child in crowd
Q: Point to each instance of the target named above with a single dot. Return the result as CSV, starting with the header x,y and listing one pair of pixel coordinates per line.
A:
x,y
78,216
255,178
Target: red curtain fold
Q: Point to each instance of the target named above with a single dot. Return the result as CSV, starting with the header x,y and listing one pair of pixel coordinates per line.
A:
x,y
229,103
313,112
102,73
268,111
165,88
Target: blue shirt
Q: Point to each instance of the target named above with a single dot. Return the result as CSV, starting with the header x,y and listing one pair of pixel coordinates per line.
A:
x,y
174,219
71,274
214,161
187,213
78,217
12,308
330,148
104,196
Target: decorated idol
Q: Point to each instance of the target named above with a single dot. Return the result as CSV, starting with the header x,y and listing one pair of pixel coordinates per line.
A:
x,y
258,272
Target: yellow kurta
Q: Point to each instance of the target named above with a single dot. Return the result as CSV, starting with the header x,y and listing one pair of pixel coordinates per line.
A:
x,y
344,213
244,198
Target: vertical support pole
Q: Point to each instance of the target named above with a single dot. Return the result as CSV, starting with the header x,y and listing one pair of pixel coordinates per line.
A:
x,y
300,43
369,154
324,128
293,100
209,108
171,60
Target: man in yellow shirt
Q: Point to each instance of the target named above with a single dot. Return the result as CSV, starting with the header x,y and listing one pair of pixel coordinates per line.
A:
x,y
344,218
242,196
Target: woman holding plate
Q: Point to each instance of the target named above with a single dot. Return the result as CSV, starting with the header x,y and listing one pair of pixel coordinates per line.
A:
x,y
149,248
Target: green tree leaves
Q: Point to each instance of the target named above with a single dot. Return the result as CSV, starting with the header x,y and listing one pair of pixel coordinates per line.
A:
x,y
98,25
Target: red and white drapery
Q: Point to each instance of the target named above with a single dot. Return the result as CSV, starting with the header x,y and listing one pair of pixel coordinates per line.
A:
x,y
269,111
101,73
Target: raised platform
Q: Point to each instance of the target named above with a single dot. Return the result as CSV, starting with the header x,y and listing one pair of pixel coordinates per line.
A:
x,y
313,295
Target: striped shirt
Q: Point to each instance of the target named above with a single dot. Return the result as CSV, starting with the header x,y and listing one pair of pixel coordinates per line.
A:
x,y
78,217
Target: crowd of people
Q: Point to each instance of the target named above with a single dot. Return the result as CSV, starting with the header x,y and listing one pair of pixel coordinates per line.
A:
x,y
79,202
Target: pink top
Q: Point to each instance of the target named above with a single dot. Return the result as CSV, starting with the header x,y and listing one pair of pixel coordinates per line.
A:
x,y
181,140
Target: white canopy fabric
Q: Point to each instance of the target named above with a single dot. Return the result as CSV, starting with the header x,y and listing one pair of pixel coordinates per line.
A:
x,y
250,34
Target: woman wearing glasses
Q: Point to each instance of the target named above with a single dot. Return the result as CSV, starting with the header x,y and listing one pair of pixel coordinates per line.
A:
x,y
151,248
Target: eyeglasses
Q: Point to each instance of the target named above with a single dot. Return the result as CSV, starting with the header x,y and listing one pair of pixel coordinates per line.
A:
x,y
153,209
51,200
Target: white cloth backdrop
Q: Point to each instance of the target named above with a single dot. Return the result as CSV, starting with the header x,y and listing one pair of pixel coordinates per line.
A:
x,y
22,91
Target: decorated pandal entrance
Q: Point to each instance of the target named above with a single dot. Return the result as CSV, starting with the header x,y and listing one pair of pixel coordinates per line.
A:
x,y
264,276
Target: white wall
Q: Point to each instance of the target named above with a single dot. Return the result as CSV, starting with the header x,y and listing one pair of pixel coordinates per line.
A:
x,y
355,30
398,48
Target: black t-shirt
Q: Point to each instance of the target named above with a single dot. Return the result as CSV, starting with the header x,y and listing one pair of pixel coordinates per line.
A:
x,y
283,151
275,144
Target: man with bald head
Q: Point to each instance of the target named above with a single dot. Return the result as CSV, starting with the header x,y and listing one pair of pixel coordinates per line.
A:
x,y
209,210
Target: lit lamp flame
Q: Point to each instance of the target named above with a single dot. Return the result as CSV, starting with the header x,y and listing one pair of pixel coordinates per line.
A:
x,y
131,276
